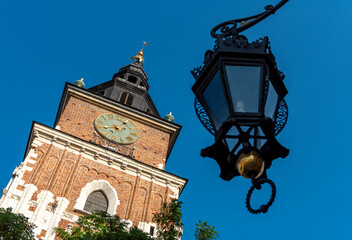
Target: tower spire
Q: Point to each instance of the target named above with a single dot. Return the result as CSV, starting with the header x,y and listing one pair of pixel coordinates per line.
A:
x,y
138,59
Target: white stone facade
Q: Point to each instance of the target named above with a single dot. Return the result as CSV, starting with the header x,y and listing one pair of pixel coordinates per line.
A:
x,y
47,211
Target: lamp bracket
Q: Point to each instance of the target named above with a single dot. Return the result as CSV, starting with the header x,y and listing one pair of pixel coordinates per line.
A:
x,y
234,27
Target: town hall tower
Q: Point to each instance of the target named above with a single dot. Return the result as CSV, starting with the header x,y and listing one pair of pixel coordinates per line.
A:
x,y
107,151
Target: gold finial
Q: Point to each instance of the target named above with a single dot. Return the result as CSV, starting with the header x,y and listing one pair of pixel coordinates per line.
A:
x,y
138,59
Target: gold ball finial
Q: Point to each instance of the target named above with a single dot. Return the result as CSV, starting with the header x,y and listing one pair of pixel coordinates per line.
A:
x,y
249,163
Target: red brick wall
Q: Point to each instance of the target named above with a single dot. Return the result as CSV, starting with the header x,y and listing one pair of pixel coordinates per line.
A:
x,y
65,174
78,117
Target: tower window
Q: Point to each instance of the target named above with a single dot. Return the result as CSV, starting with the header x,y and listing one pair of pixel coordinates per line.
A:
x,y
141,84
96,201
132,79
126,98
151,231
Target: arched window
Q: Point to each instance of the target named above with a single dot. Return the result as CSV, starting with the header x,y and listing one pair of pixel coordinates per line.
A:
x,y
96,201
126,98
102,186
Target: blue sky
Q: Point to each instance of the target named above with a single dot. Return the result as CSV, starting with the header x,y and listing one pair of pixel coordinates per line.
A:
x,y
43,44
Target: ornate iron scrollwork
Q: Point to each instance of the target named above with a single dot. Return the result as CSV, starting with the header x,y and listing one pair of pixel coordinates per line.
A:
x,y
203,116
234,27
281,117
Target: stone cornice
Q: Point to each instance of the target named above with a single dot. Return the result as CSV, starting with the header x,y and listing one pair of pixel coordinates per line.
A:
x,y
103,155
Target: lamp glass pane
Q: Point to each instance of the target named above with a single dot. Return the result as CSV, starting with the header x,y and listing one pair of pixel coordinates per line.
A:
x,y
260,142
231,142
244,84
271,102
216,101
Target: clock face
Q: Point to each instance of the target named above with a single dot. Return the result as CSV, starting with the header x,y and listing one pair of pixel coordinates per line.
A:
x,y
116,128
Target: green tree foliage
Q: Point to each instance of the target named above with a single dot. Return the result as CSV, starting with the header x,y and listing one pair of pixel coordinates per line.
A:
x,y
169,220
204,231
15,226
101,226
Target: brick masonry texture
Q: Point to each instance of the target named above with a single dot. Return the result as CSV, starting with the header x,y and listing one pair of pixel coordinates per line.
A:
x,y
65,174
78,118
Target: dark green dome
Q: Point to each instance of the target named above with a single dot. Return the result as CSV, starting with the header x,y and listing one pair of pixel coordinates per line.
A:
x,y
169,117
80,83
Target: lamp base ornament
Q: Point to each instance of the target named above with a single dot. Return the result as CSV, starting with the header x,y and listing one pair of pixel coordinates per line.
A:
x,y
251,161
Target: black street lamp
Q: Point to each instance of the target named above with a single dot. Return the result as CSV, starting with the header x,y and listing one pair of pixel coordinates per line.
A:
x,y
240,100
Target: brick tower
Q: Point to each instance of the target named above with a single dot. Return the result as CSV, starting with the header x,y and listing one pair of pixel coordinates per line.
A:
x,y
107,151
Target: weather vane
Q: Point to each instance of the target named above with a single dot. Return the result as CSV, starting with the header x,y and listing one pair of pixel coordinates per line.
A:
x,y
138,59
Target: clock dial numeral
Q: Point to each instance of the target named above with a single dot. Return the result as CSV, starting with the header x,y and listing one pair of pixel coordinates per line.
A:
x,y
107,133
129,139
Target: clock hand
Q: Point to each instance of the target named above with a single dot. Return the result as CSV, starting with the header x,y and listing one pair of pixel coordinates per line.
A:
x,y
106,126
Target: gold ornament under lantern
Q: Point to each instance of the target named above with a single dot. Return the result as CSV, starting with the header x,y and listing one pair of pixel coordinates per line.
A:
x,y
250,163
